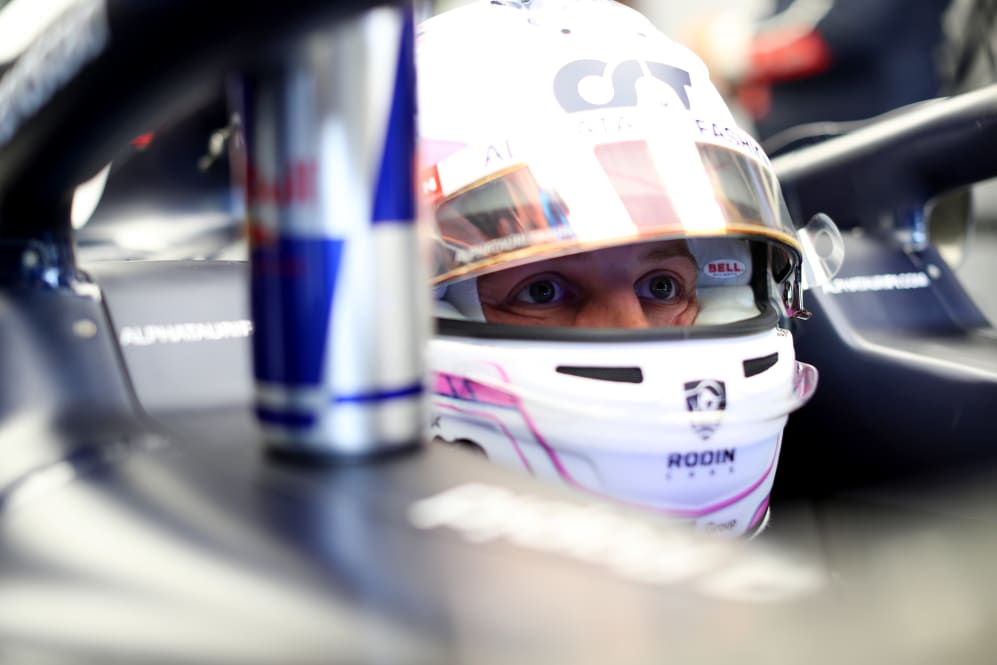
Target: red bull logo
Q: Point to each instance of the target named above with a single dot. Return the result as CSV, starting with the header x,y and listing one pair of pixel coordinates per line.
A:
x,y
295,186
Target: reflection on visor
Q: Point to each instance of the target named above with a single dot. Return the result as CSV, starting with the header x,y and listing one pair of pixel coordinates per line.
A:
x,y
632,173
608,194
500,216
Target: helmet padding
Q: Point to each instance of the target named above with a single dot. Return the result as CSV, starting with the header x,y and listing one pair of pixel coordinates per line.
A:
x,y
459,300
723,287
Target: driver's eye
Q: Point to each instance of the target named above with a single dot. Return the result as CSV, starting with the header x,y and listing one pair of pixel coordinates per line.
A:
x,y
658,286
541,292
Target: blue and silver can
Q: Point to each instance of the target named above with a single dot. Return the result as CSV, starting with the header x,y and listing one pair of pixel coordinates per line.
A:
x,y
338,304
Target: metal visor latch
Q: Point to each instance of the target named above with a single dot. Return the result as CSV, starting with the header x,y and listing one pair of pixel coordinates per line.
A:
x,y
793,296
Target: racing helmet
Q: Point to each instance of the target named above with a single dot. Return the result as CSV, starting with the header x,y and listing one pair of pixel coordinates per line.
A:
x,y
570,146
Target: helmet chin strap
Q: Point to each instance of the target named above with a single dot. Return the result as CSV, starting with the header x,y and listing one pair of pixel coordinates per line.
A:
x,y
460,301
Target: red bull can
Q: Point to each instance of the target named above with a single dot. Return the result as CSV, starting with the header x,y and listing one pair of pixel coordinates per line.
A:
x,y
340,316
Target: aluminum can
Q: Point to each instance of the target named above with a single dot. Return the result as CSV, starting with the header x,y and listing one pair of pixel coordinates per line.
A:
x,y
338,287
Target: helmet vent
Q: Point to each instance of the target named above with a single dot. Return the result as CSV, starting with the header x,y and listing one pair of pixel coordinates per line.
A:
x,y
753,366
617,374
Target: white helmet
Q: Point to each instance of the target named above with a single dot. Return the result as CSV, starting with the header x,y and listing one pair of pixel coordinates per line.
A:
x,y
564,145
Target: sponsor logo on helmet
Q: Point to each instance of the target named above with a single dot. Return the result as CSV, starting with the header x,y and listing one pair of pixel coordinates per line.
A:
x,y
431,187
706,401
725,134
583,85
701,458
715,527
724,268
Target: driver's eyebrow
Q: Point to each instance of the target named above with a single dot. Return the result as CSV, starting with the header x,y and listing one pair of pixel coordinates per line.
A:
x,y
667,252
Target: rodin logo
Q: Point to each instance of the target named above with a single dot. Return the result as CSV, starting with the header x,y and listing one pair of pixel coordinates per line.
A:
x,y
705,400
582,85
701,458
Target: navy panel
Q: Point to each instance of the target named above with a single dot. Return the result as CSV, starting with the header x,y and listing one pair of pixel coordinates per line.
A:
x,y
881,286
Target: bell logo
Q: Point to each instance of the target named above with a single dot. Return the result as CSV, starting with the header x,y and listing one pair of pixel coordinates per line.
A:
x,y
724,268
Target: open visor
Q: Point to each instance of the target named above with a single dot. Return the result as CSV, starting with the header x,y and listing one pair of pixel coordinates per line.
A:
x,y
498,206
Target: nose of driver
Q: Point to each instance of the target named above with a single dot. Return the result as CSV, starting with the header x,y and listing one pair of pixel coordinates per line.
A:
x,y
619,308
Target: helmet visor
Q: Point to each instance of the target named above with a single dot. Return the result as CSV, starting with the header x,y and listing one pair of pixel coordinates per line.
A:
x,y
567,198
